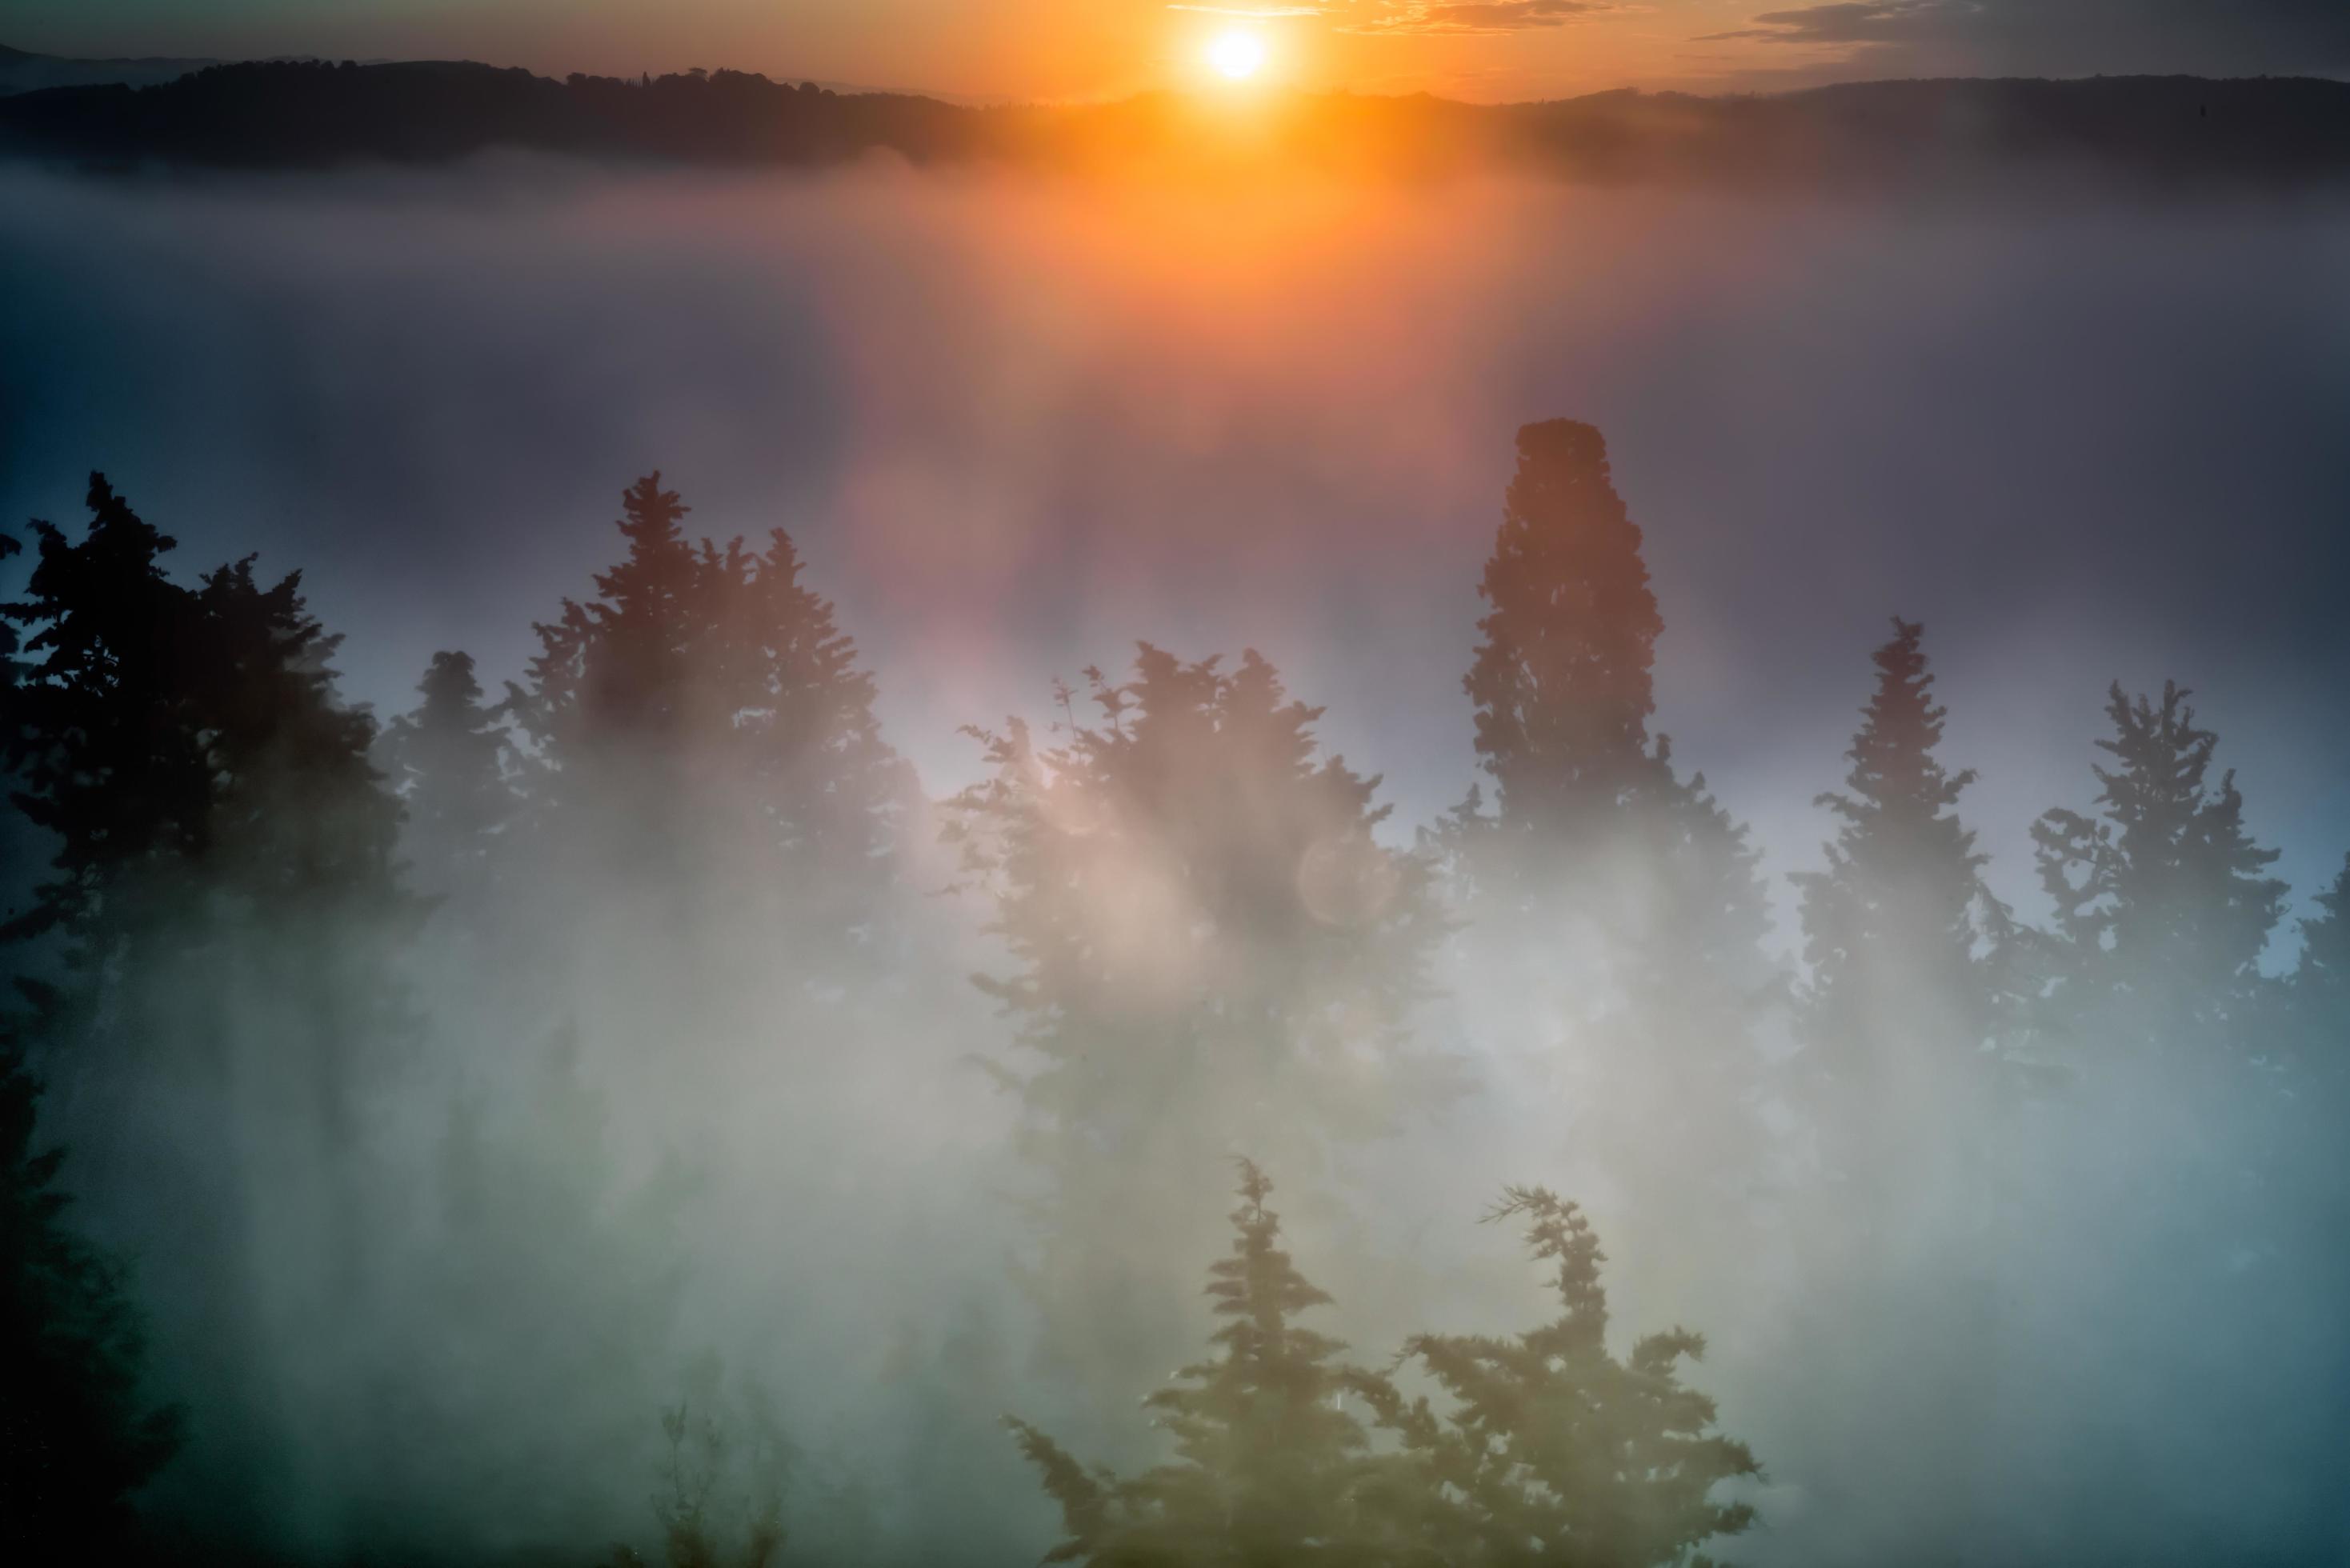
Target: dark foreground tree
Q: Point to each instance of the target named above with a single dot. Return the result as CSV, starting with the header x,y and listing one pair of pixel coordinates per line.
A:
x,y
1552,1450
1547,1450
215,921
77,1438
1270,1466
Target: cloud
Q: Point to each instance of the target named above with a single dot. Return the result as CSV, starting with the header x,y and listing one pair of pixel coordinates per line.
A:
x,y
2067,37
1474,16
1849,21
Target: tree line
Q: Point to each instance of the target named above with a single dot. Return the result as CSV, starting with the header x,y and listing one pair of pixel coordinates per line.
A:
x,y
260,909
1947,135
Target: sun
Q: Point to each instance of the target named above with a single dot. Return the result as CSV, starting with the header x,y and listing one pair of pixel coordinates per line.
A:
x,y
1236,55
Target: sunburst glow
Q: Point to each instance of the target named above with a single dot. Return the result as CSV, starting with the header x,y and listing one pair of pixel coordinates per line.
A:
x,y
1236,55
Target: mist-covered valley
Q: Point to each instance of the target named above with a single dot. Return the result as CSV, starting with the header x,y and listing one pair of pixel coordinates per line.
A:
x,y
683,1076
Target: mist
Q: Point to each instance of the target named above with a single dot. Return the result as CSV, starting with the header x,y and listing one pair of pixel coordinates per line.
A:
x,y
736,1143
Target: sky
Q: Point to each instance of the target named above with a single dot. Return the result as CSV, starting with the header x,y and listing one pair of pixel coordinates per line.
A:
x,y
1061,49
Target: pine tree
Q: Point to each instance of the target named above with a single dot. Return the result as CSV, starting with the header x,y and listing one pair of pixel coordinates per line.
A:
x,y
1906,950
704,719
1553,1451
2162,908
174,737
77,1437
611,676
1548,1450
1271,1468
217,915
2310,1042
447,762
2319,996
1901,1000
1210,947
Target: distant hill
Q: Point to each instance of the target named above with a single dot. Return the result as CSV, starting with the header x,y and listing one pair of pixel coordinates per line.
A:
x,y
23,72
2136,130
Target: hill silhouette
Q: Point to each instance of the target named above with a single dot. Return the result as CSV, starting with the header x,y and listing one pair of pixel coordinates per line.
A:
x,y
298,114
22,71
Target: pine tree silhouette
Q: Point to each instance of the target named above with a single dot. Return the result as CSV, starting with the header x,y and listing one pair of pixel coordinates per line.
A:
x,y
217,914
1553,1451
1910,955
1210,947
78,1436
448,763
706,713
2162,906
1548,1450
2320,986
1270,1466
1897,933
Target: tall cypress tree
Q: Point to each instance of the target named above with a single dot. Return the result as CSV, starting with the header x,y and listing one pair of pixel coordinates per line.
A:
x,y
1620,901
1562,682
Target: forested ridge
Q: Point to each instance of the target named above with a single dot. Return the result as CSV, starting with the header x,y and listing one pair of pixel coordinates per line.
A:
x,y
426,1139
2134,132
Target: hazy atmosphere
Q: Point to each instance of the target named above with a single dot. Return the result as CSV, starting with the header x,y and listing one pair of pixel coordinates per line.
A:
x,y
1279,690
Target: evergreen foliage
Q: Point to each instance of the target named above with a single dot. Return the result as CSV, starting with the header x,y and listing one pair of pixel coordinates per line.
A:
x,y
2162,904
177,739
1899,932
1619,898
1270,1466
78,1438
1203,944
1563,684
1210,945
448,763
704,715
214,930
1549,1450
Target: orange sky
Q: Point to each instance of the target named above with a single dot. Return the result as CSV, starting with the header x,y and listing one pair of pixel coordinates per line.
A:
x,y
1064,50
984,48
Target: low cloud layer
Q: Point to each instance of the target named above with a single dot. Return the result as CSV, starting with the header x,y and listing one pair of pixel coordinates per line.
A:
x,y
2065,37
